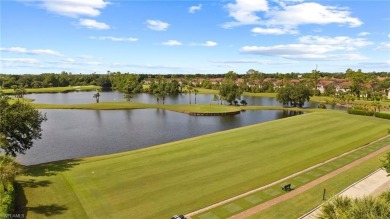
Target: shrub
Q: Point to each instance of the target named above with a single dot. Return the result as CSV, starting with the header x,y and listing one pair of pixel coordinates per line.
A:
x,y
7,200
360,112
382,115
321,106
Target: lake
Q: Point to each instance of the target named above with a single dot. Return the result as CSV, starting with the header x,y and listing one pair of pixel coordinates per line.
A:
x,y
81,133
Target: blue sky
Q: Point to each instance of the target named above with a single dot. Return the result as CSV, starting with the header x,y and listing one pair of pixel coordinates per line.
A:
x,y
87,36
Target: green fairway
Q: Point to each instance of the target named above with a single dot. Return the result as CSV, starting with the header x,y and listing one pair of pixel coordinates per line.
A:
x,y
184,176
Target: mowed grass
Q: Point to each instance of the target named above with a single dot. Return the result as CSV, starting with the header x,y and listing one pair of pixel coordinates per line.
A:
x,y
183,108
183,176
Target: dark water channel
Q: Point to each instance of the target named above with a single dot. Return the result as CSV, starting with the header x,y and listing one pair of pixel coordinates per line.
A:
x,y
81,133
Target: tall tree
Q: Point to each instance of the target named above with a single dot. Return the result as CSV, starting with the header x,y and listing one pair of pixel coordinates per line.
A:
x,y
20,124
196,91
229,90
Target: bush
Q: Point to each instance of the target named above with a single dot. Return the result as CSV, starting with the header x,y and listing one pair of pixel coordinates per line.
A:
x,y
321,106
7,200
360,112
382,115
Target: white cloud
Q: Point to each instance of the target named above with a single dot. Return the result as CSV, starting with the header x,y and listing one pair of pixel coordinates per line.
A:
x,y
207,44
273,31
344,41
193,9
287,16
75,8
157,25
364,34
92,24
19,60
21,50
385,46
115,39
244,12
311,13
172,43
314,48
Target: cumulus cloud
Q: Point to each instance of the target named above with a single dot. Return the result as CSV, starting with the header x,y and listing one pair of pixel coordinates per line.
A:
x,y
244,12
157,25
311,13
288,15
75,8
115,39
172,43
21,50
93,24
193,9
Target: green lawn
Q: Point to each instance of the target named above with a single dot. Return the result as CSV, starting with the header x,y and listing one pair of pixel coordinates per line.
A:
x,y
187,175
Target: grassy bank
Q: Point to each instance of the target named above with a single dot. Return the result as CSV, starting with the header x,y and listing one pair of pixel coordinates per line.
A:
x,y
54,89
184,176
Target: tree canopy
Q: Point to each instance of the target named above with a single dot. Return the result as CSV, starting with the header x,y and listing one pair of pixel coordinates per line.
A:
x,y
229,90
294,95
20,124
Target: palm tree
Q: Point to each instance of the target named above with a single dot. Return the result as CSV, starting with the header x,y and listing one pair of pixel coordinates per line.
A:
x,y
190,88
9,168
196,91
96,96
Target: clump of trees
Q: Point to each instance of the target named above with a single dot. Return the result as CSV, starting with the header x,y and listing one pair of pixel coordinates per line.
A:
x,y
229,90
160,87
366,207
294,95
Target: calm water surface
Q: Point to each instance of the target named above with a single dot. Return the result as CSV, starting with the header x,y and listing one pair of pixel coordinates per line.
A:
x,y
81,133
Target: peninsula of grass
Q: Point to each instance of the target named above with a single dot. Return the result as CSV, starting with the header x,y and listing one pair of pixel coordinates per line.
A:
x,y
183,176
182,108
54,89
